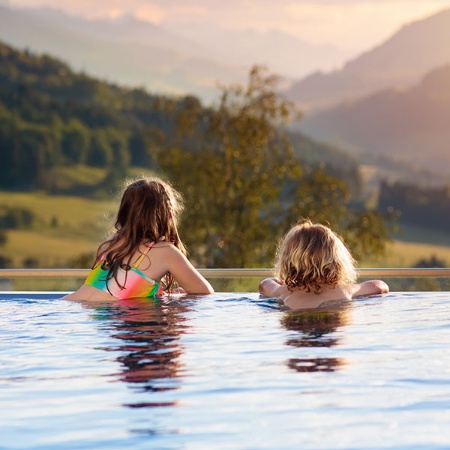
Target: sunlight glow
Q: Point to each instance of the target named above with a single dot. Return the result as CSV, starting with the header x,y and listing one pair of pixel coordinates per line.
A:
x,y
349,24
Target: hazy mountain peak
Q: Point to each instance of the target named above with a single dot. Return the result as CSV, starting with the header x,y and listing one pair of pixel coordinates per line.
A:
x,y
400,61
409,124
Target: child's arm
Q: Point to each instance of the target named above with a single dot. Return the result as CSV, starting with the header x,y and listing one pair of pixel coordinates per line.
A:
x,y
371,287
271,287
185,274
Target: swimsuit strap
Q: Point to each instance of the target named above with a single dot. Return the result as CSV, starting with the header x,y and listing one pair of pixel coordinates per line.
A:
x,y
149,246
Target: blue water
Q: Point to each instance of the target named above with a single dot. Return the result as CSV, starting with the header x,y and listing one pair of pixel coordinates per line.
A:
x,y
227,371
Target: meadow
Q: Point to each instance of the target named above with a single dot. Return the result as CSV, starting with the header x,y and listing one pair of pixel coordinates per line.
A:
x,y
68,228
407,254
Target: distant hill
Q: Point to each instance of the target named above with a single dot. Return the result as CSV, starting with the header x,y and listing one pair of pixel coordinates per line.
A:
x,y
283,53
54,120
412,125
400,62
180,60
126,51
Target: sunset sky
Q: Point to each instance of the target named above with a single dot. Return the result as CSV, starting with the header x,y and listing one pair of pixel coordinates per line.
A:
x,y
349,24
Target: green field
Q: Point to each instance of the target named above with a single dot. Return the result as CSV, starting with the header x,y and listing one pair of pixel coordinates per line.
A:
x,y
412,243
68,227
406,254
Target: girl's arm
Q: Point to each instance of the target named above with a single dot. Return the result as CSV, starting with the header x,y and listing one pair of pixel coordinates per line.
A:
x,y
271,287
371,287
185,274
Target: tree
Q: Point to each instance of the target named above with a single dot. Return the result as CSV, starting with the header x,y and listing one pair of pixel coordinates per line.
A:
x,y
37,151
242,183
231,165
100,151
75,142
432,262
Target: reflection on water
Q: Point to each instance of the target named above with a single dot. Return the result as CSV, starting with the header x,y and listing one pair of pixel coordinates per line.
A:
x,y
148,334
246,374
315,364
315,328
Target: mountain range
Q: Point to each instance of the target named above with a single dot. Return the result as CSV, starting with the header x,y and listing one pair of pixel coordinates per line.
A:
x,y
389,106
126,51
186,60
409,124
400,62
192,60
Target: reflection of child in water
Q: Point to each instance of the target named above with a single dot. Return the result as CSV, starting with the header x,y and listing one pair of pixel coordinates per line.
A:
x,y
313,267
146,339
315,328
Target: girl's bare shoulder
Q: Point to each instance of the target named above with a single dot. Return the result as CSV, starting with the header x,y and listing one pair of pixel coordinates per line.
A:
x,y
167,249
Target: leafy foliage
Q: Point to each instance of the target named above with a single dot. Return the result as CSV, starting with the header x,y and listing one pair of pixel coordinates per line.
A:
x,y
432,262
51,117
244,184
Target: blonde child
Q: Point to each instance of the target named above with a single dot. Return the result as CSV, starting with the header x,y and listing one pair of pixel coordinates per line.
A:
x,y
314,267
144,250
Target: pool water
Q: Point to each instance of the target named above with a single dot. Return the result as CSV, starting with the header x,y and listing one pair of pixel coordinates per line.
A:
x,y
226,371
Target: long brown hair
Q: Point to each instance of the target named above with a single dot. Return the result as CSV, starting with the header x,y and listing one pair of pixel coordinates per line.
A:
x,y
148,212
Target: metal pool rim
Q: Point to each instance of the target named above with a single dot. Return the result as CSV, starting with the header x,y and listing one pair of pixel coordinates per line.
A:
x,y
235,273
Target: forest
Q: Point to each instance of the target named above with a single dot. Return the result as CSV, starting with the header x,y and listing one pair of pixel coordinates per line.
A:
x,y
52,117
244,175
427,207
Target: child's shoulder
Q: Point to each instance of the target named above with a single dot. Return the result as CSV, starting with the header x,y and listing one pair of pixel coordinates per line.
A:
x,y
165,246
301,298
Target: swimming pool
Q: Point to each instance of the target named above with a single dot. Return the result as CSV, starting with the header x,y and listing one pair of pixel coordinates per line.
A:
x,y
226,371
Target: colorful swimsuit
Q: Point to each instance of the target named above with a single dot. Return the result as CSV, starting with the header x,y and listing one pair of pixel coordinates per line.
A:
x,y
136,283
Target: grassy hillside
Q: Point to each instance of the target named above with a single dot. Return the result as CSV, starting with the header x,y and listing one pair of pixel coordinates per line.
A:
x,y
66,227
421,235
59,124
70,228
410,125
406,254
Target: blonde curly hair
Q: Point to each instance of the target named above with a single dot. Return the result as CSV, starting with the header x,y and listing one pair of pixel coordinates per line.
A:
x,y
311,255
